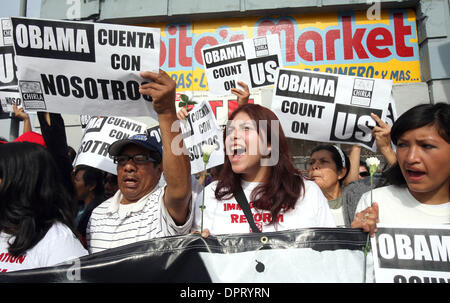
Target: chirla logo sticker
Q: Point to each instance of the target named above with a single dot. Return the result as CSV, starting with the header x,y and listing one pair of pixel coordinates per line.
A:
x,y
362,92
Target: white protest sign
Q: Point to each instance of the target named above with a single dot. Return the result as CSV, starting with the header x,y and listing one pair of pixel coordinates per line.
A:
x,y
99,134
84,68
414,254
199,128
8,78
253,61
8,99
329,108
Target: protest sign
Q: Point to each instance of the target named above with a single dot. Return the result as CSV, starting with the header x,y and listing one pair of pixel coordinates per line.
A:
x,y
199,128
155,131
8,78
99,134
253,61
312,255
8,98
329,108
414,254
84,68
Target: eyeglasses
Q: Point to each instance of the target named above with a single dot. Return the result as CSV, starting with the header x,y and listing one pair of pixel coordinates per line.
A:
x,y
364,174
137,159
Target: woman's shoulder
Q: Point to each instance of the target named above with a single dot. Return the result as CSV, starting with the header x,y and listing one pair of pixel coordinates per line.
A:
x,y
59,230
390,190
311,186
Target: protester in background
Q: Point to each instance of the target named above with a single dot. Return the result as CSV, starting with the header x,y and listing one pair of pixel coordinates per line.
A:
x,y
54,133
141,209
420,179
71,153
363,170
36,211
89,192
328,168
110,185
279,197
28,135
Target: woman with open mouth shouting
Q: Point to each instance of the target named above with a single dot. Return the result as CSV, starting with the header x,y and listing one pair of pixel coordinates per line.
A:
x,y
258,168
421,177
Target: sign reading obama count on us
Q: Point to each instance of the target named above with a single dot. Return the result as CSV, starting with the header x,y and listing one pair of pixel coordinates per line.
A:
x,y
99,134
329,108
84,68
253,61
413,254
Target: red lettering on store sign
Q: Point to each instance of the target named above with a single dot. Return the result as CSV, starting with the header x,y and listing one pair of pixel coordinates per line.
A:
x,y
180,47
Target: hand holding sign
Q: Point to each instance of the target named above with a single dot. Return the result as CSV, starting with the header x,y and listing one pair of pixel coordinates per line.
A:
x,y
242,95
161,89
382,135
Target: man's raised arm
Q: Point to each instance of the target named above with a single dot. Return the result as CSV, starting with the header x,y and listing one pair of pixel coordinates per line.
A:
x,y
176,164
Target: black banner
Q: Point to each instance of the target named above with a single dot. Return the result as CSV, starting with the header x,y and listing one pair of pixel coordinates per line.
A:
x,y
178,259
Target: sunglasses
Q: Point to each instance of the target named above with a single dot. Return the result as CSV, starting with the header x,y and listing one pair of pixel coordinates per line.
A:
x,y
137,159
364,174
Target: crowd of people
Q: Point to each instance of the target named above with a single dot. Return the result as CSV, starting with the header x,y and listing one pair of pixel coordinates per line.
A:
x,y
45,202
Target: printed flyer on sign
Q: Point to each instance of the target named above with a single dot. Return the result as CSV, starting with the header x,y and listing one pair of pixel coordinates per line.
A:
x,y
199,128
99,134
8,98
84,68
330,108
8,78
413,254
253,61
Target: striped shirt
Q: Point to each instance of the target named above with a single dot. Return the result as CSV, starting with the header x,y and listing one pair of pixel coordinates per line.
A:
x,y
113,224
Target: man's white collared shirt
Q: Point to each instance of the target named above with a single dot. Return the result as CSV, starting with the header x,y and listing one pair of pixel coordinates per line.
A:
x,y
113,224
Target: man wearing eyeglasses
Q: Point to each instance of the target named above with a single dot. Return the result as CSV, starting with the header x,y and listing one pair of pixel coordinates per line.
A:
x,y
141,209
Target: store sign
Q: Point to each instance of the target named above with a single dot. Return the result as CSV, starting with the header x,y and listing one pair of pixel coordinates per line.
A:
x,y
344,43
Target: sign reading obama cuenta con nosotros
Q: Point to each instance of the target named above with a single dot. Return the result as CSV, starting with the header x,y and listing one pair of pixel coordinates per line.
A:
x,y
328,107
99,134
84,68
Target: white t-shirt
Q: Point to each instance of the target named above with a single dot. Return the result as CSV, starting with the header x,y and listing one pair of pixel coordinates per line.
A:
x,y
226,216
338,216
113,224
57,246
397,206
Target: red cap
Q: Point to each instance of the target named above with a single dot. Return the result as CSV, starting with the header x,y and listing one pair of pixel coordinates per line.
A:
x,y
31,137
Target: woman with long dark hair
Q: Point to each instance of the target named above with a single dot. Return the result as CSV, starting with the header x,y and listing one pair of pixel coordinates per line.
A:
x,y
420,190
36,211
258,161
